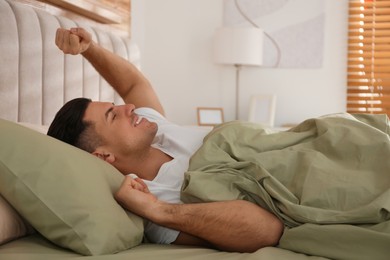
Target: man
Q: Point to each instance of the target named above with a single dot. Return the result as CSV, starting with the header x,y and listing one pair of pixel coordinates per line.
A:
x,y
136,138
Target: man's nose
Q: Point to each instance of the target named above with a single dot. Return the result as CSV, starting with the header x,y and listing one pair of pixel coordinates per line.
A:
x,y
129,109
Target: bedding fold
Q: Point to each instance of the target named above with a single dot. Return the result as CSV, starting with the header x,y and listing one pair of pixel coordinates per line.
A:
x,y
327,179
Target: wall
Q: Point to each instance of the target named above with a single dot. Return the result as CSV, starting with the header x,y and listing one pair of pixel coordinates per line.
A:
x,y
175,38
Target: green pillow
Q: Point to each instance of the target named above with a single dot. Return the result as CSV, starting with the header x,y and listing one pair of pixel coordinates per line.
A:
x,y
65,193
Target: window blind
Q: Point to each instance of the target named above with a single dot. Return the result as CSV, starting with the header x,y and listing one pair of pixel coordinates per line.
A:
x,y
369,57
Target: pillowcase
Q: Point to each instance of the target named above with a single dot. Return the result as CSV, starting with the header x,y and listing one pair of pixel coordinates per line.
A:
x,y
66,194
39,128
12,225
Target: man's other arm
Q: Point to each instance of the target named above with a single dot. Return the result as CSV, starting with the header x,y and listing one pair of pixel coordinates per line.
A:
x,y
237,225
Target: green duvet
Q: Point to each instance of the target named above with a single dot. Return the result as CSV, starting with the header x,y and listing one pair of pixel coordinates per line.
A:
x,y
328,180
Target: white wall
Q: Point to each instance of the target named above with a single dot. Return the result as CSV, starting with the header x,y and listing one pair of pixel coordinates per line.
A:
x,y
175,38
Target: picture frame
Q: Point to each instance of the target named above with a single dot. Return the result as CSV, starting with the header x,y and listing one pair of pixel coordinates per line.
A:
x,y
262,109
210,116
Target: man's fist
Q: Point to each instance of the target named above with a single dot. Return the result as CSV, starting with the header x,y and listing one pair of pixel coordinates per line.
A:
x,y
135,196
73,41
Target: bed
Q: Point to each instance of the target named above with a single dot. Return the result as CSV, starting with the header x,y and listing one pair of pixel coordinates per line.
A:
x,y
48,209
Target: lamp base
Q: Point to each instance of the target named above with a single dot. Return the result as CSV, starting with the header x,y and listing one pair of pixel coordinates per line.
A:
x,y
238,69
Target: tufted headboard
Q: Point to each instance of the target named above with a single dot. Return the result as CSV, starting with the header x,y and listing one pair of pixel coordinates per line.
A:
x,y
36,78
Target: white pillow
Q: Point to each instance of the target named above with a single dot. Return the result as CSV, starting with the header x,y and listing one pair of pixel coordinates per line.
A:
x,y
12,225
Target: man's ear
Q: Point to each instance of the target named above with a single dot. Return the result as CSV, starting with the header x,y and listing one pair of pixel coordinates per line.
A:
x,y
104,155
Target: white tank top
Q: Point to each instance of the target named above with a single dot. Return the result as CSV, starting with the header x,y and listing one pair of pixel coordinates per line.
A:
x,y
180,143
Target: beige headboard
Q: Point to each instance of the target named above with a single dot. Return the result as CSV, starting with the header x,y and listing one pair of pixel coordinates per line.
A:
x,y
36,79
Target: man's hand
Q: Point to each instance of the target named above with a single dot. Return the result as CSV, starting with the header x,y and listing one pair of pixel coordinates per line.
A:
x,y
135,196
74,41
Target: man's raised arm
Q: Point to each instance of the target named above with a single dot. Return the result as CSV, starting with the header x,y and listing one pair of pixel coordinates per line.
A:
x,y
123,76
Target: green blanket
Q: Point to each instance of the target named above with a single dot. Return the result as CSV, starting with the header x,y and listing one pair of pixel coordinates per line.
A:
x,y
328,180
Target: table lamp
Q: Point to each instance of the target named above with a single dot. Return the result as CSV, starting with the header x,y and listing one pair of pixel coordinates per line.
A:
x,y
239,47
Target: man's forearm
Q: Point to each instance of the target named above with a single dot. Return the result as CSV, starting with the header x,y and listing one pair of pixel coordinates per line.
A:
x,y
124,77
119,73
231,225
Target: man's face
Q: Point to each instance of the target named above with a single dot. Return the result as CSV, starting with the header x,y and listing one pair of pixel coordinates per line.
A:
x,y
123,132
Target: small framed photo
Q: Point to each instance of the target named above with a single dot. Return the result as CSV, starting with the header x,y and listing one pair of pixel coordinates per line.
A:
x,y
262,110
210,116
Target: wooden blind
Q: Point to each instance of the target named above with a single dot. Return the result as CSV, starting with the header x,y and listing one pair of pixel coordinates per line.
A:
x,y
369,57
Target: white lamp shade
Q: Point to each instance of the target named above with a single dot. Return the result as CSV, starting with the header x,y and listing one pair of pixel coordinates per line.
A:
x,y
241,46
